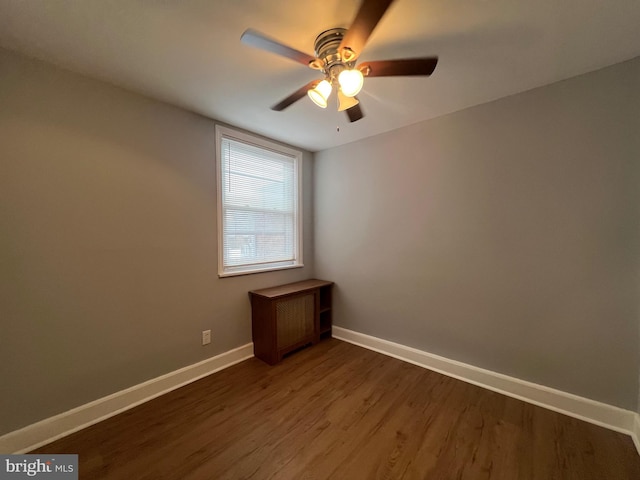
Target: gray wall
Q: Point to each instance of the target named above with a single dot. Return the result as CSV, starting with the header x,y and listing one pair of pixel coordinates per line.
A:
x,y
504,236
108,249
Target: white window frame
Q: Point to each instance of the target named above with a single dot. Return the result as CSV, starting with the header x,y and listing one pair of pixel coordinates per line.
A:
x,y
230,133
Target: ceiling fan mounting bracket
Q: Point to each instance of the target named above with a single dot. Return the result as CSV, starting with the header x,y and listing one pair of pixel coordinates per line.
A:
x,y
366,70
347,55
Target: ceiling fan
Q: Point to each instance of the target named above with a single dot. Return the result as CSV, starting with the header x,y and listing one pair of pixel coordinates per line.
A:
x,y
337,50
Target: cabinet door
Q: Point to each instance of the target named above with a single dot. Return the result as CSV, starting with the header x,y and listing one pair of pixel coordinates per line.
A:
x,y
295,319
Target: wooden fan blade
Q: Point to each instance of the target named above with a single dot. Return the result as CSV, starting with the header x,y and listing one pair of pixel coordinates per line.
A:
x,y
259,40
399,67
354,113
295,96
370,13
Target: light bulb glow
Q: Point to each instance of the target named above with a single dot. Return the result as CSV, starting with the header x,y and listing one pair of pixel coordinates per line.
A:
x,y
320,93
350,82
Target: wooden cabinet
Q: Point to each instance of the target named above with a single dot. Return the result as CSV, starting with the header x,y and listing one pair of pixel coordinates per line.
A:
x,y
288,317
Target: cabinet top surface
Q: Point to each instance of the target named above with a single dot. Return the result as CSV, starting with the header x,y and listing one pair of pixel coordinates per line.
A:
x,y
290,288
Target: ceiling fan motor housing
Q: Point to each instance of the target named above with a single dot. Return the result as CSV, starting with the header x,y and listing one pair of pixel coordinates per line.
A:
x,y
327,49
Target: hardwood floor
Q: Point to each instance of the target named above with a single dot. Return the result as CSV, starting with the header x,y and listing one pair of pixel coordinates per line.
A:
x,y
342,412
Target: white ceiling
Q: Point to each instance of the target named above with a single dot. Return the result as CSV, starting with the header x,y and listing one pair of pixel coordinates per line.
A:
x,y
188,53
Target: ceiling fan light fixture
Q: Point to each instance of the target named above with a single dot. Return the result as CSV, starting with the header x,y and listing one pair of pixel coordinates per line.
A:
x,y
350,82
320,93
336,52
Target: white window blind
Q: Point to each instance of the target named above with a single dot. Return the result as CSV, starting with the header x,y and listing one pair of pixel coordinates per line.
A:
x,y
259,205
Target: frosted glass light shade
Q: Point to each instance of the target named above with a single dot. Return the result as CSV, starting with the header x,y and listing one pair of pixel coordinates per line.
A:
x,y
350,82
344,102
320,93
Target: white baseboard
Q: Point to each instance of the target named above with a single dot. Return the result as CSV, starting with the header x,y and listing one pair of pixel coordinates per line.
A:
x,y
58,426
636,432
602,414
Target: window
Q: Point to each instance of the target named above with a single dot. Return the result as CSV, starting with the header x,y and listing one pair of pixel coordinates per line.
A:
x,y
259,206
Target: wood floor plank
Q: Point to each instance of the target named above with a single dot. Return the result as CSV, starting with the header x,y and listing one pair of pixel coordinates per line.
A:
x,y
337,411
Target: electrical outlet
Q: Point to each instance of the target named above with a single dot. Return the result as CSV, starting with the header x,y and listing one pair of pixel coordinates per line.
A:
x,y
206,337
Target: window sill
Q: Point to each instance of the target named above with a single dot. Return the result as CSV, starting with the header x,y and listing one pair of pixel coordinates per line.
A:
x,y
262,270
